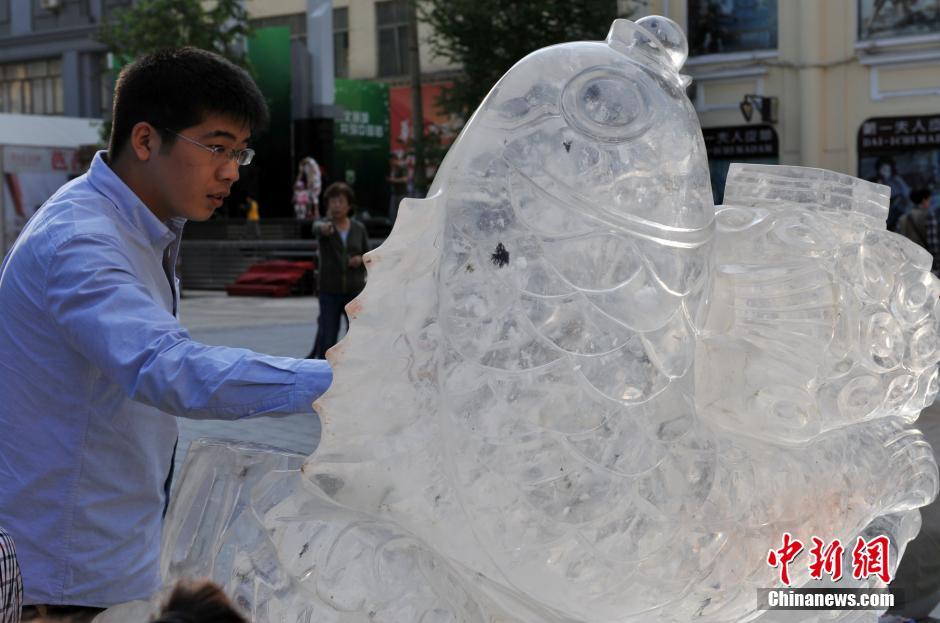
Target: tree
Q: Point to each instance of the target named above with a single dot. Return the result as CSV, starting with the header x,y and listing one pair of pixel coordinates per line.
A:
x,y
486,37
151,25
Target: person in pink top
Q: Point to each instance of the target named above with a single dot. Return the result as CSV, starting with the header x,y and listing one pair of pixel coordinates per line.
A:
x,y
301,201
308,173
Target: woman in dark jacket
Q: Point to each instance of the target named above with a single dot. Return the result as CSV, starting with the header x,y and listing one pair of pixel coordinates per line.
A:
x,y
341,243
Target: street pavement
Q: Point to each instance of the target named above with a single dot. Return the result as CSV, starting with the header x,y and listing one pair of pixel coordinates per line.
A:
x,y
284,327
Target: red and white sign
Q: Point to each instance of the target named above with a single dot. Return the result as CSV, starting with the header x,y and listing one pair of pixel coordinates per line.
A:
x,y
40,159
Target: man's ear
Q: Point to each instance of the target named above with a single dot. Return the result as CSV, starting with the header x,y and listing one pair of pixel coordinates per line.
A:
x,y
145,141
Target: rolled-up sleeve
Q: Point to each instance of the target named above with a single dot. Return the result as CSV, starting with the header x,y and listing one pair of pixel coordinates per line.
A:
x,y
103,311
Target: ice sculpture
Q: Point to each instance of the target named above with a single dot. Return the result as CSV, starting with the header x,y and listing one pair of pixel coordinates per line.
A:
x,y
574,391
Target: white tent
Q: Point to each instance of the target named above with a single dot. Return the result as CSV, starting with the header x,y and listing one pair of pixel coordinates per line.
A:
x,y
38,154
48,131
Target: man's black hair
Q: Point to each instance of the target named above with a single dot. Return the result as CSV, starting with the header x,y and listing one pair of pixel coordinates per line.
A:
x,y
178,88
919,194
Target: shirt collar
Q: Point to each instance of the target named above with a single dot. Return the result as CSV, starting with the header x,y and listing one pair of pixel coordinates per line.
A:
x,y
129,205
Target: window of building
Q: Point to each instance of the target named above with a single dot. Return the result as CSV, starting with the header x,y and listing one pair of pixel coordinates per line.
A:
x,y
4,17
32,88
295,22
391,20
341,42
68,14
728,26
882,19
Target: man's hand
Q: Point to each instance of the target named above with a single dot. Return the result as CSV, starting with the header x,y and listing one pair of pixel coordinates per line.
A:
x,y
326,228
355,261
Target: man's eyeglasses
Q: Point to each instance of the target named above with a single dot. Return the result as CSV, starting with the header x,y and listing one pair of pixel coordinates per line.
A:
x,y
241,156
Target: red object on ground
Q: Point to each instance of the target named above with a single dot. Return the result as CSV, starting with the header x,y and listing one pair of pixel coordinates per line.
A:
x,y
273,278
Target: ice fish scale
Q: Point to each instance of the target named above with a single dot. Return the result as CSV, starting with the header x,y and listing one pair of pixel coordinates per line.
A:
x,y
554,163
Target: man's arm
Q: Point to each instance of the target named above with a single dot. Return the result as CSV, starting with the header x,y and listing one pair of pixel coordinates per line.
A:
x,y
104,312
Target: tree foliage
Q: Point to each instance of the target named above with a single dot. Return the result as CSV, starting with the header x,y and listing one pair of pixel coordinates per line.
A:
x,y
151,25
486,37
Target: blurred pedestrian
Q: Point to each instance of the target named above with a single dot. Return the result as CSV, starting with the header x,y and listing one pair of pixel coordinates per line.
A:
x,y
309,173
341,243
253,218
922,225
198,602
99,364
301,200
887,173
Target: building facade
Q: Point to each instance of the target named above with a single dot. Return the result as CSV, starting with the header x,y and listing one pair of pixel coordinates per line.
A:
x,y
50,63
372,116
370,37
849,85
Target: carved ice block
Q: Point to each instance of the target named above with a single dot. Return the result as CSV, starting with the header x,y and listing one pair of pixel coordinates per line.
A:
x,y
574,390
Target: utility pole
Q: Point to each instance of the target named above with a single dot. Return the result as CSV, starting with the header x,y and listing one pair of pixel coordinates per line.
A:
x,y
417,107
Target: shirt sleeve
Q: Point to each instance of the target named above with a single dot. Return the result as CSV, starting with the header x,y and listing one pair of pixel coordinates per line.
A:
x,y
104,312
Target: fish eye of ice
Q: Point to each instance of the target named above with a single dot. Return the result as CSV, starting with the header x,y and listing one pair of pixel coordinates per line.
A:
x,y
606,104
574,390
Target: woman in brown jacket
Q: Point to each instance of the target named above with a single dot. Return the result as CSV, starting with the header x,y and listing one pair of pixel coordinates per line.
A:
x,y
341,243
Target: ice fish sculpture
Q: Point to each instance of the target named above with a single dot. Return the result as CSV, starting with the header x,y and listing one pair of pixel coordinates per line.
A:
x,y
574,391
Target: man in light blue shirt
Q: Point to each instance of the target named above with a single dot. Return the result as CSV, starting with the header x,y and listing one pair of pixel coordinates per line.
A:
x,y
95,365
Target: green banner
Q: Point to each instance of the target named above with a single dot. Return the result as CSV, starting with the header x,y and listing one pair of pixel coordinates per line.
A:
x,y
270,176
361,142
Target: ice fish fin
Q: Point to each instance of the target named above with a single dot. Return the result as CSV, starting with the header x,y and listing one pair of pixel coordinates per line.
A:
x,y
809,288
777,186
393,331
377,453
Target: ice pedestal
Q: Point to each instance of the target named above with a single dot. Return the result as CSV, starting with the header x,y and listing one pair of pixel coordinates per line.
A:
x,y
247,518
202,536
207,529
